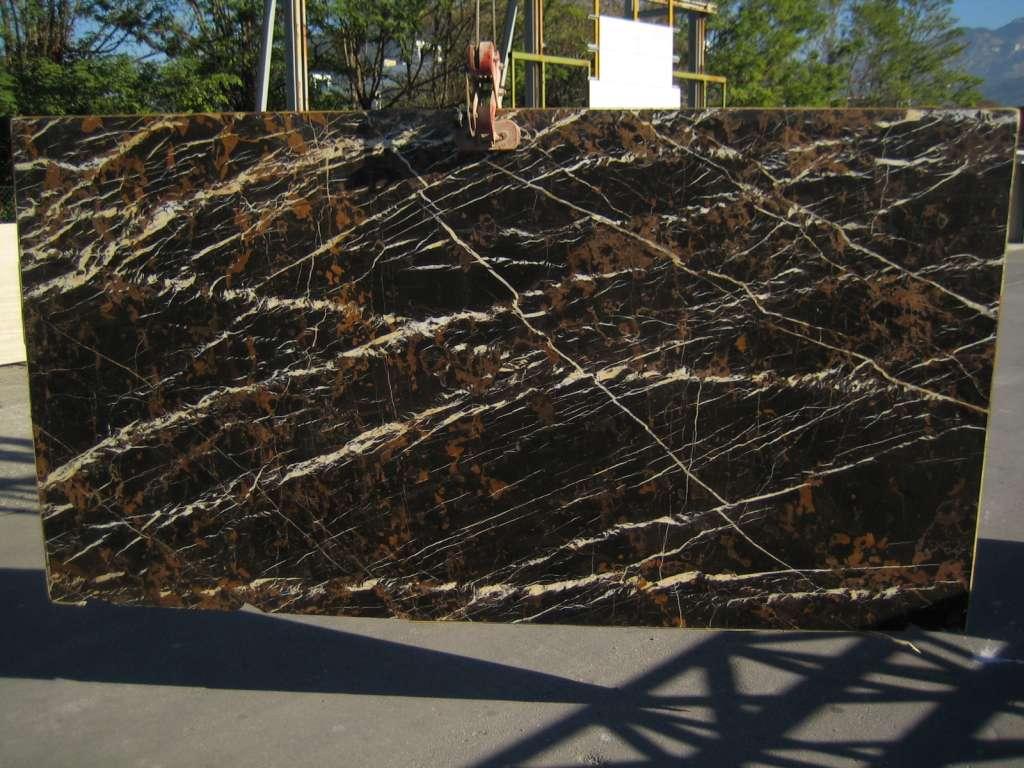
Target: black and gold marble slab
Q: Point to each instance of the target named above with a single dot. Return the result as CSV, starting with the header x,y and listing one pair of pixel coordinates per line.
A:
x,y
726,368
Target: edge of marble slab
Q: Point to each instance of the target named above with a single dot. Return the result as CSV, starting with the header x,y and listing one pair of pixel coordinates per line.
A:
x,y
1016,203
1014,214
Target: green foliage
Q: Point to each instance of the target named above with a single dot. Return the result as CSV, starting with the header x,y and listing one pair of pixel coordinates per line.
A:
x,y
837,52
69,56
390,52
767,50
212,50
186,85
75,56
106,85
8,91
901,54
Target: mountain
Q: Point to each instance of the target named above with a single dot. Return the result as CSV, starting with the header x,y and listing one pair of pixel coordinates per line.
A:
x,y
997,56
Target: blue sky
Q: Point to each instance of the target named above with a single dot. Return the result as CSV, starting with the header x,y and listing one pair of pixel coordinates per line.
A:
x,y
987,13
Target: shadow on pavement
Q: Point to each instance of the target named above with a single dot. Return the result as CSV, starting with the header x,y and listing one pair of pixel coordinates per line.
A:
x,y
17,476
997,610
725,725
237,650
719,720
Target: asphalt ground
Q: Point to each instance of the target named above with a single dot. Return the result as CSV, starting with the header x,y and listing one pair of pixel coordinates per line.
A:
x,y
108,686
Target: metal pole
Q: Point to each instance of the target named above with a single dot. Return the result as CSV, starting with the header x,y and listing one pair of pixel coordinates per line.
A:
x,y
304,38
297,54
532,20
697,34
540,50
289,53
507,31
266,48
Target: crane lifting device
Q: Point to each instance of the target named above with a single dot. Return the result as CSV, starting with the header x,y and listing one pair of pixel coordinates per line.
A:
x,y
485,86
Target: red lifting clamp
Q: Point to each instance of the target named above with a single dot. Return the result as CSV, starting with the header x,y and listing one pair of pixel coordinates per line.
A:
x,y
483,100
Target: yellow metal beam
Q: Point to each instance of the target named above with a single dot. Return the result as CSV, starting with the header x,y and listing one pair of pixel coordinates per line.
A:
x,y
689,5
545,58
705,80
700,76
542,59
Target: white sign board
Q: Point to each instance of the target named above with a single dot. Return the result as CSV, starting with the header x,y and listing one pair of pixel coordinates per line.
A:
x,y
12,344
635,66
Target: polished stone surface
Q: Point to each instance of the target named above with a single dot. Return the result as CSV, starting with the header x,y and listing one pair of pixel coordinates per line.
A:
x,y
702,369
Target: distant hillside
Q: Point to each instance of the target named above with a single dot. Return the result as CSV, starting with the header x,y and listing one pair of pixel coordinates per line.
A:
x,y
997,55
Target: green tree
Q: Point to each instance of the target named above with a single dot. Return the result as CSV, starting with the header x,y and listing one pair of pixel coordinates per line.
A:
x,y
772,54
8,91
390,52
209,50
903,53
106,85
71,56
185,84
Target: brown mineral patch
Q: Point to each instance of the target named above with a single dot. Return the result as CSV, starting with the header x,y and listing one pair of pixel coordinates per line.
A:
x,y
296,143
728,541
791,513
334,273
238,265
497,487
229,142
53,176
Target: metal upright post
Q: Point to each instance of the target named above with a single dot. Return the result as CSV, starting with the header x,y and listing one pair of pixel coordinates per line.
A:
x,y
266,49
507,32
540,50
297,55
1016,233
533,19
697,34
304,38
